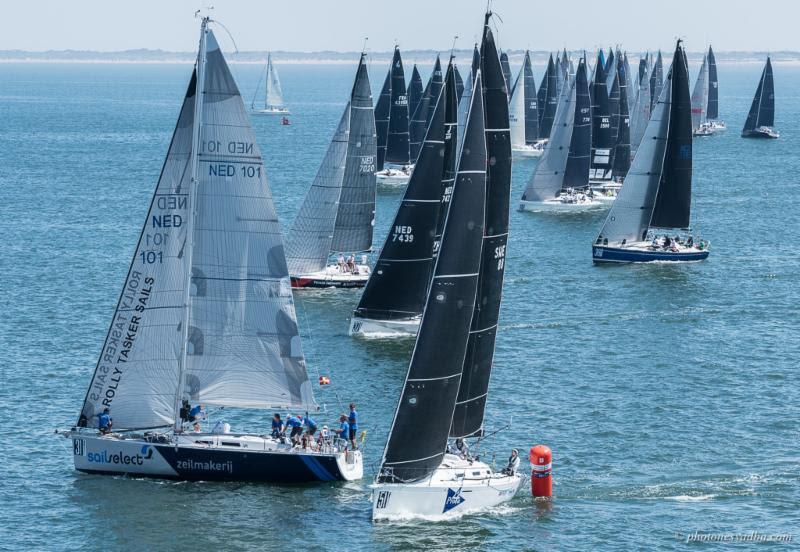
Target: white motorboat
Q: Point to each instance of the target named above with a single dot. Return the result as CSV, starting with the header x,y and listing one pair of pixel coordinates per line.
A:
x,y
333,276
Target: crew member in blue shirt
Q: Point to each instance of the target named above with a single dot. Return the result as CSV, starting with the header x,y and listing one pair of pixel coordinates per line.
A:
x,y
297,428
352,420
344,428
311,429
104,421
196,413
277,426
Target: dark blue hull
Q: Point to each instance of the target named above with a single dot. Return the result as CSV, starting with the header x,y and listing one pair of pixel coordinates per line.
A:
x,y
606,254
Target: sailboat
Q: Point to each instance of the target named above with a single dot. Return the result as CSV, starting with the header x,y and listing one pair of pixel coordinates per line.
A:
x,y
421,116
649,221
397,164
524,113
561,179
392,302
445,391
205,315
712,113
700,127
273,97
337,215
603,140
762,112
622,146
382,109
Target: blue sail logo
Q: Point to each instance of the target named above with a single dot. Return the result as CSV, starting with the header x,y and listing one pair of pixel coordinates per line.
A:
x,y
453,499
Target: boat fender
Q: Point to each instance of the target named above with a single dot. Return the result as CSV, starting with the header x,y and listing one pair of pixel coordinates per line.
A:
x,y
541,458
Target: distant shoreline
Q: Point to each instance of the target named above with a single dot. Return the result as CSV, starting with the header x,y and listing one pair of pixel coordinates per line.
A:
x,y
423,57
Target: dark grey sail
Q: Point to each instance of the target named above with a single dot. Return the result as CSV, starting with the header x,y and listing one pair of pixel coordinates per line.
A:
x,y
576,175
382,119
712,111
613,102
629,81
642,69
622,147
609,61
459,82
399,282
415,90
762,110
602,139
477,367
541,98
550,100
674,198
656,79
355,219
397,142
419,122
435,83
506,71
531,103
476,61
418,437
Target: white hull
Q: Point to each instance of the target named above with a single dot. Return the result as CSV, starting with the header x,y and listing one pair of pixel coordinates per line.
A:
x,y
526,150
718,126
272,111
212,457
456,488
332,276
383,329
394,176
555,205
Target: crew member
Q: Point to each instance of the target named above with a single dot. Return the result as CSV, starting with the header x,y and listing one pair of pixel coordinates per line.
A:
x,y
277,426
344,428
352,421
104,422
513,463
297,428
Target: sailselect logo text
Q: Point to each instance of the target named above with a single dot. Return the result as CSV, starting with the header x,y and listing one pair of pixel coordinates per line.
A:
x,y
104,457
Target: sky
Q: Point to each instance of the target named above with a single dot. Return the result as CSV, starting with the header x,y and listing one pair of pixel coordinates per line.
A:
x,y
342,25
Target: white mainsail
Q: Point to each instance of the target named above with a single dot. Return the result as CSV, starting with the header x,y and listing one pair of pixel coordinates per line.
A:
x,y
274,95
308,243
516,110
700,96
241,346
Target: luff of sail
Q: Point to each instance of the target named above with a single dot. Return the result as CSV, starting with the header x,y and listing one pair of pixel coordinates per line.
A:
x,y
477,366
245,356
397,287
419,432
355,219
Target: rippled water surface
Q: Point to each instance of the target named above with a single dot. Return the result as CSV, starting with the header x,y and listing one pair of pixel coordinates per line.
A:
x,y
669,394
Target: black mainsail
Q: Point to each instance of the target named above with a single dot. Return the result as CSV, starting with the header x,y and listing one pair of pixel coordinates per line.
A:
x,y
477,366
602,139
459,82
399,282
506,71
622,148
531,103
656,80
382,119
550,100
397,146
414,91
712,111
762,110
576,175
419,122
419,433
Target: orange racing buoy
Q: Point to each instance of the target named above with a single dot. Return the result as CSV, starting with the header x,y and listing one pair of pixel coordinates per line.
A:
x,y
541,458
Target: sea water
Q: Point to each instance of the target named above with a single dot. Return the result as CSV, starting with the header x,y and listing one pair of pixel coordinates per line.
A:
x,y
669,394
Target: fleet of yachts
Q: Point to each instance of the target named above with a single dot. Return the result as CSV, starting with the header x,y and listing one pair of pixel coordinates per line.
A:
x,y
207,316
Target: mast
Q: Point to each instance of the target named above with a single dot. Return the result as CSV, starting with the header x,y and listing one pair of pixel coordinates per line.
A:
x,y
192,210
477,363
